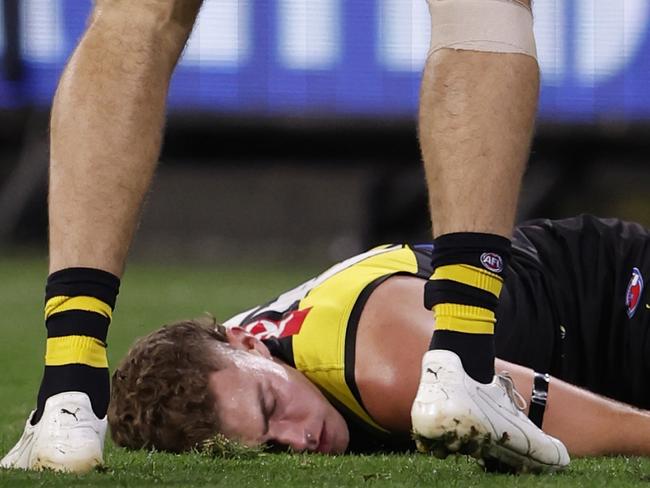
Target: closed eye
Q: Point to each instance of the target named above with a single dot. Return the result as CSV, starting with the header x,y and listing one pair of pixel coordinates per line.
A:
x,y
271,403
268,404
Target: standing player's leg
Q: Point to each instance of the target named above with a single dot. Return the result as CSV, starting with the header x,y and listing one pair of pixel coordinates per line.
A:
x,y
106,128
477,110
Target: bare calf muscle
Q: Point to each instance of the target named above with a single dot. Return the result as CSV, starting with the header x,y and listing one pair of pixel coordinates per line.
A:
x,y
476,113
106,127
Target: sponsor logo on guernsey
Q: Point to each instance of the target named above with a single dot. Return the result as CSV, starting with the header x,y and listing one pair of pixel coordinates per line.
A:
x,y
492,262
633,292
290,324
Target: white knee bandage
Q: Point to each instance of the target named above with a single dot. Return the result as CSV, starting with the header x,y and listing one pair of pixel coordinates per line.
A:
x,y
499,26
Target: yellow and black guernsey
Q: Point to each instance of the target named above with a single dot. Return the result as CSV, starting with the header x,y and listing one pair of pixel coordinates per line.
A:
x,y
313,327
573,304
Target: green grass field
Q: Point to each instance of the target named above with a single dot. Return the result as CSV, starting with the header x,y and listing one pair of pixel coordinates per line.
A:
x,y
152,295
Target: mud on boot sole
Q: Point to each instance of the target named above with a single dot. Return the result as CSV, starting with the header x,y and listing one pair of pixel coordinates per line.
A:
x,y
491,455
496,458
470,444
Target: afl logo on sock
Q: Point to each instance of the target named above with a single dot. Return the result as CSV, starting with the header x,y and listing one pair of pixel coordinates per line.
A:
x,y
492,262
633,293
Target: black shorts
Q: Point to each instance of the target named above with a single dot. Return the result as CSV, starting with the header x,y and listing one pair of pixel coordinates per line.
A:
x,y
576,305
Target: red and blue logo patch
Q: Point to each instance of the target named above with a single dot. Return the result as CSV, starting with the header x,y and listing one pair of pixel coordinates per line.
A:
x,y
633,292
492,262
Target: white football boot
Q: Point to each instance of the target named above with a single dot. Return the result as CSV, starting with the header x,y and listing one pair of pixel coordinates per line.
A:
x,y
453,413
68,437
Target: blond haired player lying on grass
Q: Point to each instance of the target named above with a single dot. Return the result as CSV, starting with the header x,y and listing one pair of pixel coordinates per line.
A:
x,y
334,364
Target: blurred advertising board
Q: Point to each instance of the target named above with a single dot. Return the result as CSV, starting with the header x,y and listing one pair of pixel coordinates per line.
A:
x,y
355,58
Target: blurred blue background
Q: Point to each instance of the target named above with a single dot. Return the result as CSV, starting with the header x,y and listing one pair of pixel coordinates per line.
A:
x,y
292,124
361,58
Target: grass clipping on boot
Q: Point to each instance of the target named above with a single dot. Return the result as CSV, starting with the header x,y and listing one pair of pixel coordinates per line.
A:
x,y
220,446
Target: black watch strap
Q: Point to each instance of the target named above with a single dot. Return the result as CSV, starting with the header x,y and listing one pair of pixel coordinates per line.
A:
x,y
539,398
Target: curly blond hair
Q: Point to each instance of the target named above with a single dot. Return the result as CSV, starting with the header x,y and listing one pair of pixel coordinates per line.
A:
x,y
160,397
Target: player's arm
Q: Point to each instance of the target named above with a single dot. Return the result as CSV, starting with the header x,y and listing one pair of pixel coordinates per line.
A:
x,y
588,424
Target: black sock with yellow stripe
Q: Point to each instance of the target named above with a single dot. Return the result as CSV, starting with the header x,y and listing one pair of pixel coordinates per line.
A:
x,y
463,293
78,308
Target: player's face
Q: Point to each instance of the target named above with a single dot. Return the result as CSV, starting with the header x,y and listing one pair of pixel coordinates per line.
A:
x,y
260,401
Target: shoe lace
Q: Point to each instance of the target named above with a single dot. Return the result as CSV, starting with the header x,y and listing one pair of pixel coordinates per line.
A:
x,y
509,385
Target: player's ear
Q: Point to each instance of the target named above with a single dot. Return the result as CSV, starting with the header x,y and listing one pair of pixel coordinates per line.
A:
x,y
238,338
